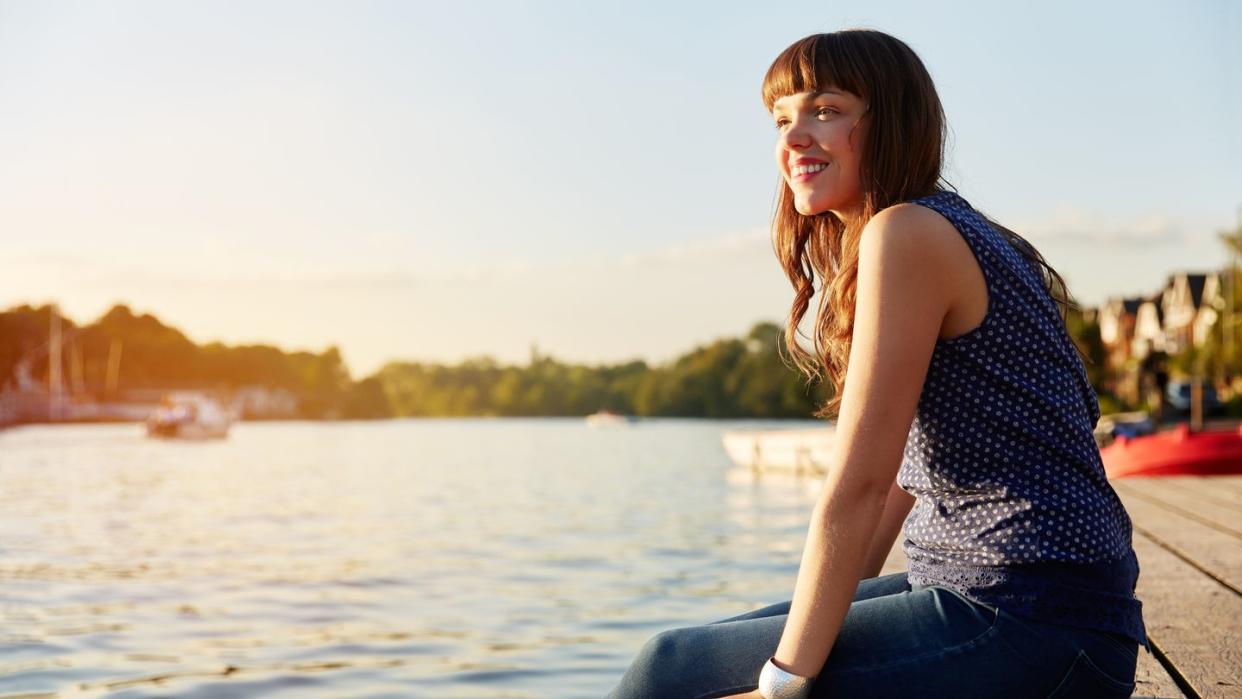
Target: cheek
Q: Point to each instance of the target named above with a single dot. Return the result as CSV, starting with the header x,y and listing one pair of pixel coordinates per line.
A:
x,y
858,136
779,157
851,165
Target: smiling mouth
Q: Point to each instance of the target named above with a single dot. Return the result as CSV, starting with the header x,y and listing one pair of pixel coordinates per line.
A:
x,y
801,173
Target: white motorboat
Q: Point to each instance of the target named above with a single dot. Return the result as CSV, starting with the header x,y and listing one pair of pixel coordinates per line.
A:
x,y
607,418
798,450
188,415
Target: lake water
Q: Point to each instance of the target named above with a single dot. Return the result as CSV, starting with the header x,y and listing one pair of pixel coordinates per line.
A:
x,y
405,558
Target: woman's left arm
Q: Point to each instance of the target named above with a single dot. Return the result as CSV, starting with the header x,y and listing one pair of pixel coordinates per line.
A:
x,y
905,288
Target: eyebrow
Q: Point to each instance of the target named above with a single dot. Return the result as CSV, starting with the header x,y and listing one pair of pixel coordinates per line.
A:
x,y
826,91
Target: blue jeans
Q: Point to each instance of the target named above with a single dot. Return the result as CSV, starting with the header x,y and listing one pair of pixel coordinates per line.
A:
x,y
897,640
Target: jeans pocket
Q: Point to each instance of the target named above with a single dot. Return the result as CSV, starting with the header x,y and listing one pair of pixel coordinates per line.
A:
x,y
990,612
1086,679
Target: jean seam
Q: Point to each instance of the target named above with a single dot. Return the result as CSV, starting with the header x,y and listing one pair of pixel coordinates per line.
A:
x,y
1085,659
1124,646
1017,653
1130,684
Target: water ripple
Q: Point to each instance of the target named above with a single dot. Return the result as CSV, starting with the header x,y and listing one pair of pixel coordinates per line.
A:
x,y
445,558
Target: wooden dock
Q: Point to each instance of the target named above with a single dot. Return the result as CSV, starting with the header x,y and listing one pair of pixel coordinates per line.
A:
x,y
1188,539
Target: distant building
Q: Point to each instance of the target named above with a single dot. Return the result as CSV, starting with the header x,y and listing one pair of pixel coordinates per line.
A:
x,y
1117,319
1148,328
1211,306
1178,317
1187,317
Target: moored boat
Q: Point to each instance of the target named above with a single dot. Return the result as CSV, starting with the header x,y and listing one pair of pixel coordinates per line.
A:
x,y
607,418
186,415
1177,452
796,450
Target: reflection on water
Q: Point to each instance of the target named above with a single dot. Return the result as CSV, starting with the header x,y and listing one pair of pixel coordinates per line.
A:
x,y
411,558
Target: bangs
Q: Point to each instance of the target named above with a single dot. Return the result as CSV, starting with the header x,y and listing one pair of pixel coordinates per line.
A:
x,y
813,64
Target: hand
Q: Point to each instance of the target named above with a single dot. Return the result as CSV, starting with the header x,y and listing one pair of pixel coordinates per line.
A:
x,y
748,695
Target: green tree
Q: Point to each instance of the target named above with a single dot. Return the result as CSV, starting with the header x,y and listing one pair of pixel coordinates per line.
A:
x,y
1086,335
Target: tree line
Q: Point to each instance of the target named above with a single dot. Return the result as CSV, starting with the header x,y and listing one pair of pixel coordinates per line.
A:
x,y
727,378
739,377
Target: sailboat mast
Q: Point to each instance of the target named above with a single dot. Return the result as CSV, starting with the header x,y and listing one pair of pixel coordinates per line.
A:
x,y
54,379
1227,325
114,367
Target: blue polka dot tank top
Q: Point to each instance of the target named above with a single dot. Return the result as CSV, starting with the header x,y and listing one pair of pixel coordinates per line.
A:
x,y
1013,508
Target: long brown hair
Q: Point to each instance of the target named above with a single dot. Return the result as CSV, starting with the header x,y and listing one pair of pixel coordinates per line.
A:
x,y
902,158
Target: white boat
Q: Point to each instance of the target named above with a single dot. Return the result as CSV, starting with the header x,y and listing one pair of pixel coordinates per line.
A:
x,y
798,450
607,418
188,415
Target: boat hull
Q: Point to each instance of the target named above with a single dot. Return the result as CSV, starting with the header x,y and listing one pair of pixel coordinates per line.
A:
x,y
1178,452
187,430
781,450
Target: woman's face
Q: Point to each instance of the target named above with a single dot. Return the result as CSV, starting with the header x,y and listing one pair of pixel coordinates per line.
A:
x,y
818,150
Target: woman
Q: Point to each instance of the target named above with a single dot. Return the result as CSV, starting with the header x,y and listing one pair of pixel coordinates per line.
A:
x,y
965,415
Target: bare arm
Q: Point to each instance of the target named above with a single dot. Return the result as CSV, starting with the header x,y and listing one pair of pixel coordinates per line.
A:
x,y
904,293
895,510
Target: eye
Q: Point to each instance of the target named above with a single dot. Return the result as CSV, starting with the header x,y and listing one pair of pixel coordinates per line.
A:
x,y
821,111
780,122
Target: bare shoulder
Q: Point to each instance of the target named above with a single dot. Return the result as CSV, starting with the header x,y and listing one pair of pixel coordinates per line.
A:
x,y
907,224
912,234
915,247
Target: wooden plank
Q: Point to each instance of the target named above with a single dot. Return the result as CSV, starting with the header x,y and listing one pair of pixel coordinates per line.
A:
x,y
1224,490
1193,505
1194,621
1212,550
1152,681
1225,487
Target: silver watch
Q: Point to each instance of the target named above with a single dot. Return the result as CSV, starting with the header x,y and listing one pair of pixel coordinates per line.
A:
x,y
775,683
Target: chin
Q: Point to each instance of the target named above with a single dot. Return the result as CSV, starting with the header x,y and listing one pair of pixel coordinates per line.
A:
x,y
822,202
809,208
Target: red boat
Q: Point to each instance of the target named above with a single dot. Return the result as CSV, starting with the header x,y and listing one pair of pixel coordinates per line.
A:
x,y
1177,452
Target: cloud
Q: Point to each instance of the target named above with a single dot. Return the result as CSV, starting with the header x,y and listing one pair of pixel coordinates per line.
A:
x,y
57,266
1071,224
746,242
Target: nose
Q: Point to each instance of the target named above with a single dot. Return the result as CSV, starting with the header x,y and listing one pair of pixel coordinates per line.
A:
x,y
796,136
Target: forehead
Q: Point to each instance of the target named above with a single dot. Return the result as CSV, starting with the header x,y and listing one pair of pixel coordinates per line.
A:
x,y
792,101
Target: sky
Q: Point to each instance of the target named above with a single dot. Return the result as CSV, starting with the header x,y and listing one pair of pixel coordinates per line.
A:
x,y
435,181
